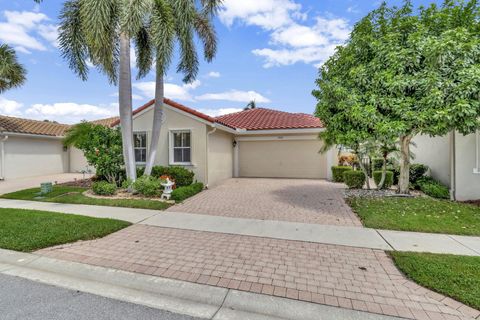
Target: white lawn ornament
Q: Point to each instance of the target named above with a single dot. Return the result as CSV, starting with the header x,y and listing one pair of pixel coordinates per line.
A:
x,y
167,191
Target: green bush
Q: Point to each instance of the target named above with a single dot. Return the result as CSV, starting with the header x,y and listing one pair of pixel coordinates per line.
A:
x,y
183,193
147,186
377,176
104,188
337,172
417,171
354,179
433,188
183,177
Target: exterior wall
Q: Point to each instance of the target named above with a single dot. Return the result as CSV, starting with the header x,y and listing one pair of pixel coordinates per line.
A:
x,y
288,156
78,162
220,157
467,183
176,121
28,156
435,153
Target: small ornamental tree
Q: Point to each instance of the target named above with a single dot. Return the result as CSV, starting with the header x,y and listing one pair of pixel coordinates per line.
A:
x,y
407,74
101,146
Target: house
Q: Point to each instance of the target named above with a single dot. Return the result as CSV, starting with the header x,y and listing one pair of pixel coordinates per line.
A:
x,y
252,143
454,159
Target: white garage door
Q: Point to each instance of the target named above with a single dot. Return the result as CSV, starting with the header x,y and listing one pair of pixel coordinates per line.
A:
x,y
282,159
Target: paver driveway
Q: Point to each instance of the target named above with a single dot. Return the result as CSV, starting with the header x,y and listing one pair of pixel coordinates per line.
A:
x,y
354,278
296,200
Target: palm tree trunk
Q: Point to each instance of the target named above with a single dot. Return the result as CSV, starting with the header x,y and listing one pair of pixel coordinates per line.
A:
x,y
404,180
364,170
125,106
384,172
157,121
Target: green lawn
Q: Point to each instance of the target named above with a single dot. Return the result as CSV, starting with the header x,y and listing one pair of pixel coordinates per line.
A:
x,y
455,276
64,194
29,230
422,214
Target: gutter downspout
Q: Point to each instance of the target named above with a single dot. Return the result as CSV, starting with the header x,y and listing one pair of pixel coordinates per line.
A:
x,y
453,171
206,156
2,166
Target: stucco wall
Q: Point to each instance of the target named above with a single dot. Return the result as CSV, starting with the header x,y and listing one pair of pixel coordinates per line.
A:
x,y
78,162
176,121
26,157
283,158
220,157
467,182
435,153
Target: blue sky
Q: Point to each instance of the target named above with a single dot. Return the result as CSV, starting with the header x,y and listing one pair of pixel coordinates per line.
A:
x,y
269,51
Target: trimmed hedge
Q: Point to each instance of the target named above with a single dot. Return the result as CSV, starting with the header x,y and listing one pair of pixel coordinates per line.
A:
x,y
183,193
377,176
183,177
337,172
354,179
104,188
433,188
147,186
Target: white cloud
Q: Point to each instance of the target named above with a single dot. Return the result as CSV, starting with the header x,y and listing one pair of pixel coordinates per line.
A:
x,y
10,107
234,95
293,37
70,112
173,91
213,74
219,112
26,29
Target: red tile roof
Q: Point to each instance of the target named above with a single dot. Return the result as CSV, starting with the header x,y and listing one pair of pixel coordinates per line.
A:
x,y
27,126
267,119
172,104
107,122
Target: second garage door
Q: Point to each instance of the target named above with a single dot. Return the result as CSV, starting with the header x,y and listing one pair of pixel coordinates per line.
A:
x,y
282,159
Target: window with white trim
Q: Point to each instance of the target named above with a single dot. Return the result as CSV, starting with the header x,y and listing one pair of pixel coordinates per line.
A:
x,y
181,147
140,147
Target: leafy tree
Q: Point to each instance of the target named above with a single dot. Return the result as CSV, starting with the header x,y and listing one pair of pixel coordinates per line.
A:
x,y
12,73
402,74
169,21
102,147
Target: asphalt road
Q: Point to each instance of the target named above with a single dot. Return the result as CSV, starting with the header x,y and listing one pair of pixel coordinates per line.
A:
x,y
22,299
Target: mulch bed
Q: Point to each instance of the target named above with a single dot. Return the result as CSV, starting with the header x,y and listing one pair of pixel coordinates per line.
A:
x,y
82,183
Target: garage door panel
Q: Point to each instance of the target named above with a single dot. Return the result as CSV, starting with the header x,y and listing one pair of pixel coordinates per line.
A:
x,y
282,159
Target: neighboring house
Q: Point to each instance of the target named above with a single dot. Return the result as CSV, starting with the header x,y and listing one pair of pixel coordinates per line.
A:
x,y
252,143
454,160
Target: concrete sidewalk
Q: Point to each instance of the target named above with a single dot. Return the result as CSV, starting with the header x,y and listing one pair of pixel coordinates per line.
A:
x,y
325,234
202,301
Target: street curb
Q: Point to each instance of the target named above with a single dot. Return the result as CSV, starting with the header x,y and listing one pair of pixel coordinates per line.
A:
x,y
196,300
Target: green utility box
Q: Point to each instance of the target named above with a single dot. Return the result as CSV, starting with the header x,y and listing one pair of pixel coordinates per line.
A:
x,y
46,187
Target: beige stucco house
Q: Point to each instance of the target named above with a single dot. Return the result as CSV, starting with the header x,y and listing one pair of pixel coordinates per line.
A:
x,y
454,160
252,143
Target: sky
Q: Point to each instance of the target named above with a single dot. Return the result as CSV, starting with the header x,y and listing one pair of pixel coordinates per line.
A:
x,y
269,51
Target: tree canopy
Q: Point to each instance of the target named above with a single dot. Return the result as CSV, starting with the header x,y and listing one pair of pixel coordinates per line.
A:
x,y
12,73
402,73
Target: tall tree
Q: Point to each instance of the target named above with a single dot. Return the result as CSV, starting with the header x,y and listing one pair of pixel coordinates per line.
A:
x,y
407,73
12,73
100,31
170,21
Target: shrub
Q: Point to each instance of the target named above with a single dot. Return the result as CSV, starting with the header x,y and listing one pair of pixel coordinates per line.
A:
x,y
147,186
182,177
183,193
354,179
433,188
104,188
337,172
417,171
377,176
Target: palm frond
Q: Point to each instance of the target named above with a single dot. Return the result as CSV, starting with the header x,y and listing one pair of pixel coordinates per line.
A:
x,y
72,42
206,33
210,7
12,73
163,33
132,16
144,52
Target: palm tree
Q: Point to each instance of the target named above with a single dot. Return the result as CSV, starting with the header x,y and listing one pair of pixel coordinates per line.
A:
x,y
100,31
170,21
12,73
251,105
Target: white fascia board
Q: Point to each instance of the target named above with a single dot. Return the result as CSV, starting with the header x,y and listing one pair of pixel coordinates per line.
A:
x,y
31,135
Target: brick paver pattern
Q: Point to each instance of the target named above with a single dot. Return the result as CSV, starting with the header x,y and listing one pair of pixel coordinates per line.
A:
x,y
354,278
295,200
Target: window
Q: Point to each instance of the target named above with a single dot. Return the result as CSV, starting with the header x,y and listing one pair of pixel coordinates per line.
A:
x,y
180,147
140,147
